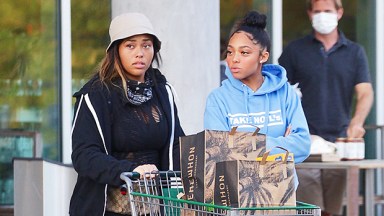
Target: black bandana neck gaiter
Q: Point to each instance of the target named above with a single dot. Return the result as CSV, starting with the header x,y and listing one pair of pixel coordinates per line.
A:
x,y
139,92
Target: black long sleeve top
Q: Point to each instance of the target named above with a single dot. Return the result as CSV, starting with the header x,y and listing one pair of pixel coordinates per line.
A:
x,y
106,129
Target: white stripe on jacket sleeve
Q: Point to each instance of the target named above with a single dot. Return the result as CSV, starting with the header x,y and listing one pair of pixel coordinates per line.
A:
x,y
90,106
77,113
171,139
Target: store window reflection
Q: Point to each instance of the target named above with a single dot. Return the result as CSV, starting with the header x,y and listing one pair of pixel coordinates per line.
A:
x,y
90,22
28,83
15,144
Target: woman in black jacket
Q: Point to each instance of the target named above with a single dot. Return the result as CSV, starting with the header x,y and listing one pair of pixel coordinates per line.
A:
x,y
125,119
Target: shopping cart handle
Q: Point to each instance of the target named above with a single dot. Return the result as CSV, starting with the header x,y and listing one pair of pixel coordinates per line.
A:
x,y
163,174
129,175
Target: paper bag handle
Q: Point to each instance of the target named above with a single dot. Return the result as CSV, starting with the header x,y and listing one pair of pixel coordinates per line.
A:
x,y
264,161
233,131
266,154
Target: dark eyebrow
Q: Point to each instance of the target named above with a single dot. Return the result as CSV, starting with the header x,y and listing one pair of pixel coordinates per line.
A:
x,y
134,40
241,47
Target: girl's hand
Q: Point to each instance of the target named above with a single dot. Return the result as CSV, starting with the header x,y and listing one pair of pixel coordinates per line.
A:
x,y
146,170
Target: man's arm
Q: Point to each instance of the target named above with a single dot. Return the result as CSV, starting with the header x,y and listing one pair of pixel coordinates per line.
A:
x,y
364,101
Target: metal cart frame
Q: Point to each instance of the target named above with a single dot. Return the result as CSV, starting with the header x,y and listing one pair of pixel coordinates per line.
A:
x,y
162,196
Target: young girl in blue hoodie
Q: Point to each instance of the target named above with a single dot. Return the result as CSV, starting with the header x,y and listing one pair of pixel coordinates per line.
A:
x,y
256,94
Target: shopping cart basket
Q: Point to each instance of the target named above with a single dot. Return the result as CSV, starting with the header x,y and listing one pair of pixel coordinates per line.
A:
x,y
161,195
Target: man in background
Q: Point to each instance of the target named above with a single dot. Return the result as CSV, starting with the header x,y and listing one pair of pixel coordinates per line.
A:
x,y
330,71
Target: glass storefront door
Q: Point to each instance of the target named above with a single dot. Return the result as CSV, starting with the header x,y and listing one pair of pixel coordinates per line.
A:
x,y
90,23
30,74
29,80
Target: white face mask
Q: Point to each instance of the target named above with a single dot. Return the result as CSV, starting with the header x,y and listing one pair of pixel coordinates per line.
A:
x,y
324,23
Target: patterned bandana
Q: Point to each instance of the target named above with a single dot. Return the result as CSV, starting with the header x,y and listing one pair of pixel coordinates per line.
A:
x,y
138,92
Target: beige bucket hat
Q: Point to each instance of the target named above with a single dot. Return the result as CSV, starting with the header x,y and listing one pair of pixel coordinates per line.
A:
x,y
130,24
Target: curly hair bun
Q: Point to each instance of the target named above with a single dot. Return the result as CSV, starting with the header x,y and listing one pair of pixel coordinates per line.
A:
x,y
254,19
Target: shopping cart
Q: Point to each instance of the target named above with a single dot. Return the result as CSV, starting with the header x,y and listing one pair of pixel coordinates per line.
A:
x,y
163,195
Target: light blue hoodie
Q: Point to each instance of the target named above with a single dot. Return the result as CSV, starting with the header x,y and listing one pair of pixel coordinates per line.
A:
x,y
272,108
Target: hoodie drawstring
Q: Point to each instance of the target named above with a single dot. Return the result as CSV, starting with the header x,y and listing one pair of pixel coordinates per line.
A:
x,y
245,96
266,108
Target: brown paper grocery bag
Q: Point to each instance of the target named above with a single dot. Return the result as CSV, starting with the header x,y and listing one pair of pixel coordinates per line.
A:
x,y
265,182
200,152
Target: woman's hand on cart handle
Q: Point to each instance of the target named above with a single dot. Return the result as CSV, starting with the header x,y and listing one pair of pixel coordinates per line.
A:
x,y
129,175
146,170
